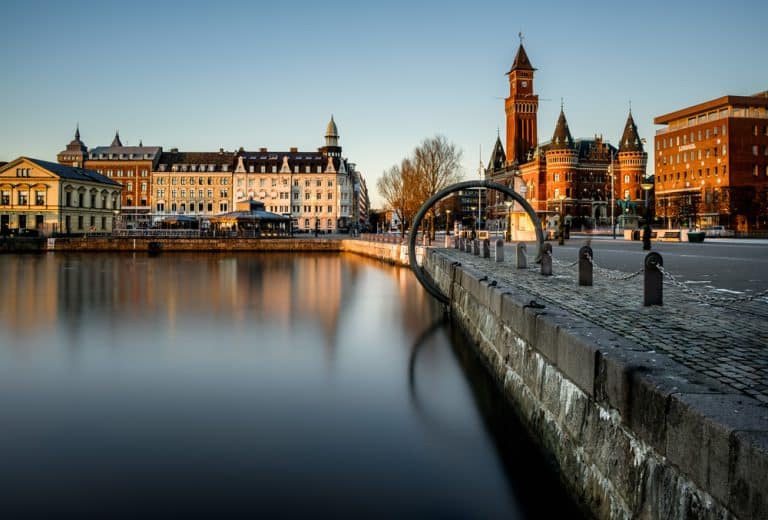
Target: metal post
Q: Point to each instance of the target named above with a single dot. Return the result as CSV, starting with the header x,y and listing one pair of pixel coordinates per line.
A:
x,y
585,266
613,201
468,244
499,250
522,261
546,259
653,278
486,248
561,227
476,247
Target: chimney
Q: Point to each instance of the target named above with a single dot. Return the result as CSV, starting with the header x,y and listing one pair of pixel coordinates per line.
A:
x,y
294,149
221,151
174,150
262,149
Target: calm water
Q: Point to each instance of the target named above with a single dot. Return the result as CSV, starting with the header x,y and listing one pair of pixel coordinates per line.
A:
x,y
288,385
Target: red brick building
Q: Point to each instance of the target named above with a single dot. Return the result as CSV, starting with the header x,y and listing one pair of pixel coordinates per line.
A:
x,y
712,164
130,166
565,174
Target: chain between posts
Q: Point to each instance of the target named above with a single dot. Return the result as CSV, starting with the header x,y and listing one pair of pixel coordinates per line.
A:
x,y
707,297
607,272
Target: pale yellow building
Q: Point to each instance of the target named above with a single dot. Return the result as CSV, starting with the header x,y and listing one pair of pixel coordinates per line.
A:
x,y
55,198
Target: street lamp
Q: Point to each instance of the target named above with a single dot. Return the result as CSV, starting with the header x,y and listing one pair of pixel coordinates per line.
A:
x,y
560,225
508,204
647,227
474,221
447,222
613,196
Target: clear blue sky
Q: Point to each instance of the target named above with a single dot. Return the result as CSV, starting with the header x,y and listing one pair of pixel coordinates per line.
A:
x,y
205,75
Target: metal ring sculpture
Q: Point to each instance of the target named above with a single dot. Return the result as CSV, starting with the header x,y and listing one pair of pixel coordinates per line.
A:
x,y
421,275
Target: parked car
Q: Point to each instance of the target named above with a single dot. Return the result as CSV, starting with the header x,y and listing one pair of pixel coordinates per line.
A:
x,y
718,231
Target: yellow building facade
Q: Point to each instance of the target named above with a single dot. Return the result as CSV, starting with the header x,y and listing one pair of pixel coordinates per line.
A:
x,y
55,198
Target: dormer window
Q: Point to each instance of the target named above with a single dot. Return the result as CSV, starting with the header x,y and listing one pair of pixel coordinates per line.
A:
x,y
224,167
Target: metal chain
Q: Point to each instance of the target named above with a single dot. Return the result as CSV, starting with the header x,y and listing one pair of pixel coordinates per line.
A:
x,y
608,273
708,297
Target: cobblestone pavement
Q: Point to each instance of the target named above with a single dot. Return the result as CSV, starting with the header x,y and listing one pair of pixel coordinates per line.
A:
x,y
726,341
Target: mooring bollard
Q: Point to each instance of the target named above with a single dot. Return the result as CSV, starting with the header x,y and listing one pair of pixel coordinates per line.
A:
x,y
468,245
476,247
522,261
546,259
653,278
456,242
486,248
499,250
447,241
585,266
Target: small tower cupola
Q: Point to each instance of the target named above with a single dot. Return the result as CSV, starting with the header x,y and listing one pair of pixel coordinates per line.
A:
x,y
630,141
116,140
561,139
498,157
331,134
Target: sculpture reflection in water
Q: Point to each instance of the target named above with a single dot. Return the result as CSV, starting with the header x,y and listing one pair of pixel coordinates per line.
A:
x,y
526,468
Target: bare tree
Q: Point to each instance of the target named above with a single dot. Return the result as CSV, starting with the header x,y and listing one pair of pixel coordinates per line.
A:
x,y
435,164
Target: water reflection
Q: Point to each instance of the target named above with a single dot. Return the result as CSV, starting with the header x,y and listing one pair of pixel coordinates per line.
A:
x,y
276,384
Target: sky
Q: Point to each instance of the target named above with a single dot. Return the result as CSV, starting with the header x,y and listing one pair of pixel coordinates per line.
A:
x,y
200,76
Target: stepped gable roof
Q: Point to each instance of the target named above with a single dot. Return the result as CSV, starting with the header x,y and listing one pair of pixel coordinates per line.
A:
x,y
561,139
498,157
70,172
630,141
521,61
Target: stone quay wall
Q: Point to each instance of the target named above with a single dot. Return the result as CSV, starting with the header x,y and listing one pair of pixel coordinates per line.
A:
x,y
633,433
387,252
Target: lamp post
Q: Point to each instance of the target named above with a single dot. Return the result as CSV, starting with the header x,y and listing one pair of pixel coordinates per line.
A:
x,y
447,222
560,225
613,198
647,227
508,204
474,221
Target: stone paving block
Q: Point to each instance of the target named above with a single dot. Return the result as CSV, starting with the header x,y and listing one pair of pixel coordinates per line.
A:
x,y
700,437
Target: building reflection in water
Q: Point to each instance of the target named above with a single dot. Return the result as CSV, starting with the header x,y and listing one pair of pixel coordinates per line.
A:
x,y
63,294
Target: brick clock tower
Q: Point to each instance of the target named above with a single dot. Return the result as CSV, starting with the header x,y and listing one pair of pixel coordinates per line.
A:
x,y
521,107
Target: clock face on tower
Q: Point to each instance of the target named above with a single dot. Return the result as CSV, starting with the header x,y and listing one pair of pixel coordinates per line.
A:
x,y
523,83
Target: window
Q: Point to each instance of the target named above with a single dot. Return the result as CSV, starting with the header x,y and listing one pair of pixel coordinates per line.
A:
x,y
23,197
626,179
263,169
22,172
306,195
39,198
5,198
755,149
129,186
330,209
80,222
755,171
274,168
724,150
144,173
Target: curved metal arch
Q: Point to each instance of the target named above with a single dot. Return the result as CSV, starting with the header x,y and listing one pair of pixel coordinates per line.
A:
x,y
418,271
